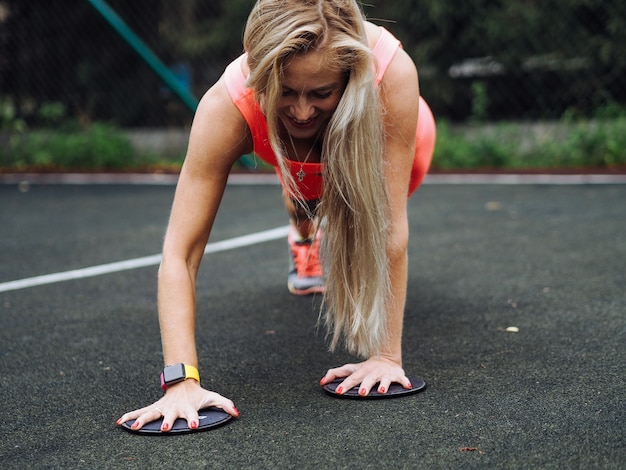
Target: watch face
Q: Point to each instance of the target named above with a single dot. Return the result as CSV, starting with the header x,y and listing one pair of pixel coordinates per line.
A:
x,y
174,373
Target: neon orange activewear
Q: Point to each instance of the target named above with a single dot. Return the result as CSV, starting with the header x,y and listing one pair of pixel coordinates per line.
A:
x,y
311,184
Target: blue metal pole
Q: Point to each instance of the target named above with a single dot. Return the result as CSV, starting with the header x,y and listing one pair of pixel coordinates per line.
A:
x,y
146,53
154,62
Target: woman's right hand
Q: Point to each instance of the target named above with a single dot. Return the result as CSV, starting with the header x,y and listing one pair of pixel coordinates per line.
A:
x,y
182,400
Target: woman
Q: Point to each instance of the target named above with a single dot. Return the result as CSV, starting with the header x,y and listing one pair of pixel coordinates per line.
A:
x,y
327,98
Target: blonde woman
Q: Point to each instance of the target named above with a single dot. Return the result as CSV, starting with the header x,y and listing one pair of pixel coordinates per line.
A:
x,y
331,101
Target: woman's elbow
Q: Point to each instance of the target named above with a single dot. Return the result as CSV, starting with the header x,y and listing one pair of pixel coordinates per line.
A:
x,y
397,243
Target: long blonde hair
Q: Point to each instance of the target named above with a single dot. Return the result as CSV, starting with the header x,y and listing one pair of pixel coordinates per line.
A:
x,y
354,203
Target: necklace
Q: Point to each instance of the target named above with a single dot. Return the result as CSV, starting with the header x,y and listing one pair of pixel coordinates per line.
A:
x,y
301,173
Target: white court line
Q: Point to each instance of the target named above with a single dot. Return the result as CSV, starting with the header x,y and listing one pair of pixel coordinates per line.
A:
x,y
260,178
231,244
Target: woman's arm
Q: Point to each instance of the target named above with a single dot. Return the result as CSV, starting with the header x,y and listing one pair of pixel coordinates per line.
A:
x,y
400,94
400,98
219,136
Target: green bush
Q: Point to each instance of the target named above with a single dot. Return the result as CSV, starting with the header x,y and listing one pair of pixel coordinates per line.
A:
x,y
99,147
600,143
63,144
603,145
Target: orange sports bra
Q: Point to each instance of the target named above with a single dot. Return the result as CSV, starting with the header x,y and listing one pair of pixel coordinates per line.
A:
x,y
243,97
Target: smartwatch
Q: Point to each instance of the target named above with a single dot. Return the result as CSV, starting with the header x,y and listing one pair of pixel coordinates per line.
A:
x,y
177,373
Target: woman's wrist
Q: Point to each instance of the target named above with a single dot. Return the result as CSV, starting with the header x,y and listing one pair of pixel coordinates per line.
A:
x,y
176,373
382,356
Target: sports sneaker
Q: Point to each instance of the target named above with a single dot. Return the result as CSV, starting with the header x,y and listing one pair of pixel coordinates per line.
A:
x,y
305,273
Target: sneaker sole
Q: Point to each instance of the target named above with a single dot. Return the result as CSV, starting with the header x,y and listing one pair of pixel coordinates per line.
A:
x,y
309,291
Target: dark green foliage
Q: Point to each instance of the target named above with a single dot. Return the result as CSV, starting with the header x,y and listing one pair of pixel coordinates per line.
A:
x,y
583,144
99,147
478,59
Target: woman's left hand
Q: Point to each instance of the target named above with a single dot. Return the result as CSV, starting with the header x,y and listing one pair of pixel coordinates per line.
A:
x,y
376,370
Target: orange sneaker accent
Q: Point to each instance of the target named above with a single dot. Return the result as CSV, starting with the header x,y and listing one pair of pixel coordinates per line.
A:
x,y
306,276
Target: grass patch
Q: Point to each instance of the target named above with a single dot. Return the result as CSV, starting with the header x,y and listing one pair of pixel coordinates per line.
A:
x,y
599,143
98,147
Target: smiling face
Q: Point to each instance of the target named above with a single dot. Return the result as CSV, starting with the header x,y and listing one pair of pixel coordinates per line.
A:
x,y
311,91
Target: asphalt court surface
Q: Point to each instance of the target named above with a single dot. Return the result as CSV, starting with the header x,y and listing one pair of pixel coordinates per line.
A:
x,y
546,260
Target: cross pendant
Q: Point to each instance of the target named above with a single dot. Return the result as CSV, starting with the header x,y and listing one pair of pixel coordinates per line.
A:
x,y
301,174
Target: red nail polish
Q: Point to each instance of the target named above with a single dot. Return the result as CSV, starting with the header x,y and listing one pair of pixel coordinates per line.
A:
x,y
119,421
165,427
135,425
382,390
410,386
236,412
362,392
339,390
193,425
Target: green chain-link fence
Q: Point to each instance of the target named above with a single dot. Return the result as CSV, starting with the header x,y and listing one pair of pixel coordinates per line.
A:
x,y
479,59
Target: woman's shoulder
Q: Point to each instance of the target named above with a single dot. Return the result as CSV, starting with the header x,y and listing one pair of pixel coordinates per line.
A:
x,y
398,77
373,33
397,64
217,110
